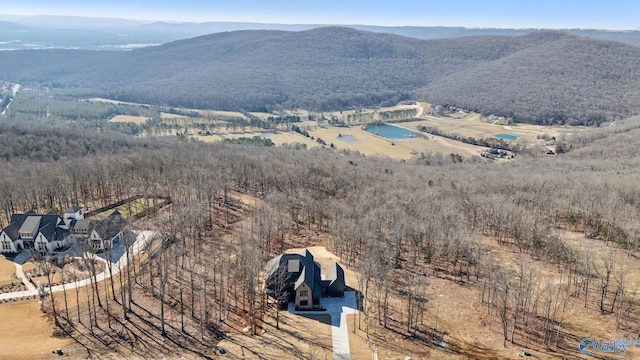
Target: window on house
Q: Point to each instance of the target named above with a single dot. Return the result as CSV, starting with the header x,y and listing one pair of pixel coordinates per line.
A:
x,y
304,293
304,303
6,245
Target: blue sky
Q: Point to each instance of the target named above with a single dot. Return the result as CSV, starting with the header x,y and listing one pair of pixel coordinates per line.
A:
x,y
601,14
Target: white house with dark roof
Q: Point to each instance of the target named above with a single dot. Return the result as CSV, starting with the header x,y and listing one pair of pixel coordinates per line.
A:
x,y
42,232
74,213
49,232
105,233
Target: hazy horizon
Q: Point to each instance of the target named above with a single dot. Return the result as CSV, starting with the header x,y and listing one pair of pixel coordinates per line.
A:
x,y
558,14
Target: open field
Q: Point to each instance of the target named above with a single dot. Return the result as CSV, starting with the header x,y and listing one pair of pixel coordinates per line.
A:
x,y
114,102
279,138
203,114
212,125
129,119
477,126
282,138
362,141
25,332
461,124
371,145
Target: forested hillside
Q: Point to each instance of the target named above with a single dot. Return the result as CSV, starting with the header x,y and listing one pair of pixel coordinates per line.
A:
x,y
546,77
565,80
33,142
401,225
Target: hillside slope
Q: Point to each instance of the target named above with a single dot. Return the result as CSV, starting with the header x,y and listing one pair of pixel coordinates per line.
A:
x,y
540,77
564,80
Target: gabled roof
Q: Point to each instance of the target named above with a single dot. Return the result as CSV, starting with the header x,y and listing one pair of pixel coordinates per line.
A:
x,y
80,224
335,273
73,209
301,268
310,274
12,231
46,224
111,225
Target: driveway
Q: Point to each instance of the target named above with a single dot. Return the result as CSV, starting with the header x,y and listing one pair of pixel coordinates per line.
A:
x,y
338,308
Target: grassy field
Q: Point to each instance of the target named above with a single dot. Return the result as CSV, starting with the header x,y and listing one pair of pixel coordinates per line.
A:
x,y
477,126
279,139
461,124
213,126
371,145
129,119
129,209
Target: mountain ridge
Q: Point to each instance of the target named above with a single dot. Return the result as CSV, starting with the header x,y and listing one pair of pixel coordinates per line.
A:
x,y
337,68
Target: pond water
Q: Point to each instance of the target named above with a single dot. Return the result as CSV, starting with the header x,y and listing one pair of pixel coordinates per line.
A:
x,y
566,132
506,136
347,138
390,132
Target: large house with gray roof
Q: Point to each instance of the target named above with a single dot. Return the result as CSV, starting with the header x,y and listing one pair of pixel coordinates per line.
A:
x,y
51,233
303,282
42,232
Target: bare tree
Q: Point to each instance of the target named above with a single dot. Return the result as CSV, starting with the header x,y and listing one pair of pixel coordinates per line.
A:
x,y
45,266
250,251
279,289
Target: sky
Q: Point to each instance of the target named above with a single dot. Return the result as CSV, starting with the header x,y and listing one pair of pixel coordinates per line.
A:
x,y
553,14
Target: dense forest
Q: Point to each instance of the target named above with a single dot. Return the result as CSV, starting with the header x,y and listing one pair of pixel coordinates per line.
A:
x,y
543,77
390,220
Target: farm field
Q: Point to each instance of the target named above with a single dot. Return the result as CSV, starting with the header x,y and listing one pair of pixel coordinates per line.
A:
x,y
129,119
371,145
279,138
476,126
357,139
213,125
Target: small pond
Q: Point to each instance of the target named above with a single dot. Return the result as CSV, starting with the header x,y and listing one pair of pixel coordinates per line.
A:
x,y
390,132
347,138
566,132
506,136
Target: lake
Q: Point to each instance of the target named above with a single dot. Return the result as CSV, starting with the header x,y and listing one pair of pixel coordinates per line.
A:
x,y
390,132
506,136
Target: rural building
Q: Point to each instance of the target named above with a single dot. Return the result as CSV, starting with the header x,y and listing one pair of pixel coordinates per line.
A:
x,y
51,233
298,275
74,213
42,232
